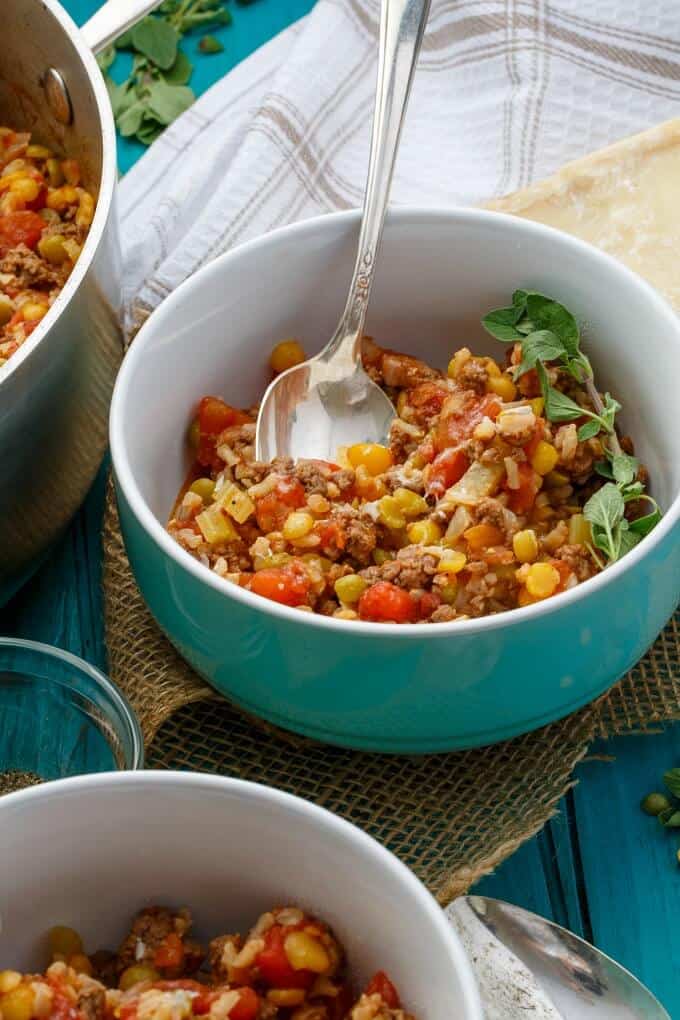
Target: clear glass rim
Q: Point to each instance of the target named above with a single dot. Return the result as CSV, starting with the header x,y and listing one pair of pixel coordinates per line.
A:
x,y
123,715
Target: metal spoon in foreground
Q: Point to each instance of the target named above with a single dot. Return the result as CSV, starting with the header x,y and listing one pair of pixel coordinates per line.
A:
x,y
329,401
527,966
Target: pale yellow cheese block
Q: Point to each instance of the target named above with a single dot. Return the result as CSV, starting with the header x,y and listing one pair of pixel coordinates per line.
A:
x,y
625,199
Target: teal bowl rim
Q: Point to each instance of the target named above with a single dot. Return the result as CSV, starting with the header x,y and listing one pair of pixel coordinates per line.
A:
x,y
486,221
125,715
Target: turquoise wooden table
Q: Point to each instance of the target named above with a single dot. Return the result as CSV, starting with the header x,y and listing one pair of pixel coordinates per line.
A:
x,y
600,867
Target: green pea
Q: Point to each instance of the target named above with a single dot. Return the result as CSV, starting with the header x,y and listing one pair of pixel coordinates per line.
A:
x,y
654,803
203,487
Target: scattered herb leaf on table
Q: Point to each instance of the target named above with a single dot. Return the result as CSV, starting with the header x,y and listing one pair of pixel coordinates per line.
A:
x,y
157,89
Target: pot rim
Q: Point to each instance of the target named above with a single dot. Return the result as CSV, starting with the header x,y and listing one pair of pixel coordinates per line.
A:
x,y
106,190
156,532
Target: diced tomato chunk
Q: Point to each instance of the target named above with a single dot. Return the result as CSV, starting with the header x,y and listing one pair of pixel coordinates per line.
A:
x,y
288,585
427,399
332,535
247,1007
24,227
273,965
214,416
384,602
522,499
170,953
454,428
447,468
381,985
271,510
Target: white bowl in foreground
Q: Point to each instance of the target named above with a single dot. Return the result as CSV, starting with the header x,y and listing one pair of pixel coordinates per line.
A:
x,y
91,851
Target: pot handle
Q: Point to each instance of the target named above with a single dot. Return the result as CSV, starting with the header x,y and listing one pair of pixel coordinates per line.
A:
x,y
112,19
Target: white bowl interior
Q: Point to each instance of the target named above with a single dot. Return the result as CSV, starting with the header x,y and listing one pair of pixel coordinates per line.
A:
x,y
439,273
91,852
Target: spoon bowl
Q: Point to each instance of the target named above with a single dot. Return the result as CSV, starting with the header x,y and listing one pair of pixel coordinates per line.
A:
x,y
566,977
328,402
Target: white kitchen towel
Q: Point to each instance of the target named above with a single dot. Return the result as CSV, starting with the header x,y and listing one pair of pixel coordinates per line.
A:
x,y
506,92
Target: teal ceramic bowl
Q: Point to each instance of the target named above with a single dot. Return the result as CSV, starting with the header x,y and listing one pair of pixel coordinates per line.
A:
x,y
418,688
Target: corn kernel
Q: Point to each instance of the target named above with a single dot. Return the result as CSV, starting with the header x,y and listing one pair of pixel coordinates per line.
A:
x,y
52,249
71,171
27,189
492,369
537,405
236,503
449,592
545,458
216,526
136,973
61,198
350,588
390,513
456,363
305,952
9,979
410,502
525,546
483,536
33,311
376,458
285,997
38,152
579,530
203,487
452,562
81,964
502,386
424,532
6,309
54,173
285,355
298,524
542,580
17,1004
524,598
64,940
85,213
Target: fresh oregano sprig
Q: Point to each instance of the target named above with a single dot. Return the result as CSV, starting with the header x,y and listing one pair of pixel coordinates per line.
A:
x,y
549,337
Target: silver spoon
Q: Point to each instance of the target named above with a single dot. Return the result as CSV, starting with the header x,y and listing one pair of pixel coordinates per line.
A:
x,y
329,401
527,966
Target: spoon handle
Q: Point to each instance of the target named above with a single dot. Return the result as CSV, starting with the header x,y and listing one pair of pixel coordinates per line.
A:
x,y
402,26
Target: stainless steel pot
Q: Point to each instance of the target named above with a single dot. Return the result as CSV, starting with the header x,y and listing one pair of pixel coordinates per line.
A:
x,y
55,391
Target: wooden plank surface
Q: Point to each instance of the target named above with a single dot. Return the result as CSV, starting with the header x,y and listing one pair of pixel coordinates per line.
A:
x,y
600,867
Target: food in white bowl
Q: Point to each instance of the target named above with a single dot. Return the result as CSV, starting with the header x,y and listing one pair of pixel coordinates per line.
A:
x,y
393,687
501,486
287,966
294,913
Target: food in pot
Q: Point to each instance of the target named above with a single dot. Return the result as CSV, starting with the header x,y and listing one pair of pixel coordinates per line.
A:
x,y
45,216
504,483
289,966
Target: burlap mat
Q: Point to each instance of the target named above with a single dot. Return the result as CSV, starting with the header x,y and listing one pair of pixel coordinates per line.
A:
x,y
452,818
